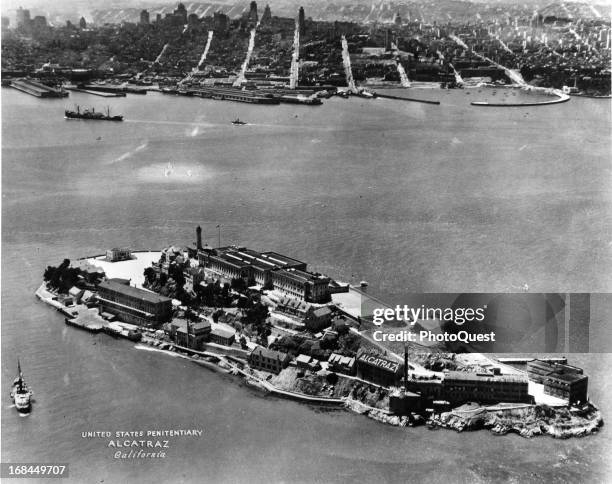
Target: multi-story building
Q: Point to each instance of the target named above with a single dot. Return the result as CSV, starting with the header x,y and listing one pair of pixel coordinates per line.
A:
x,y
559,380
133,305
461,386
267,269
264,359
188,334
222,337
302,284
317,319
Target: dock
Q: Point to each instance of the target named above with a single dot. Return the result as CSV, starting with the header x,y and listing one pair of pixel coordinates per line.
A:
x,y
37,89
118,90
97,93
230,94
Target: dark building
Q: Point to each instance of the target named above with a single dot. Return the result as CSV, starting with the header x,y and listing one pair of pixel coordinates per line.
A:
x,y
82,23
373,367
39,23
301,21
402,402
181,12
133,305
262,358
559,380
220,22
266,18
317,319
222,337
462,386
253,17
144,17
190,334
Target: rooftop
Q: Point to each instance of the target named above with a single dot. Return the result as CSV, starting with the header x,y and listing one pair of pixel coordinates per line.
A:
x,y
133,292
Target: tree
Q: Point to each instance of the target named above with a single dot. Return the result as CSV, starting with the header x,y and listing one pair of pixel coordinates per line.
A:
x,y
150,275
238,284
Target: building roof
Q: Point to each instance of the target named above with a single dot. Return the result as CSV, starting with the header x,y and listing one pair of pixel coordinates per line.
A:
x,y
303,359
281,260
224,333
470,376
268,353
134,292
320,312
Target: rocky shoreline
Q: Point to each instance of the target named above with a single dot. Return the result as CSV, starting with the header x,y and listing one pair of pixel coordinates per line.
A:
x,y
529,421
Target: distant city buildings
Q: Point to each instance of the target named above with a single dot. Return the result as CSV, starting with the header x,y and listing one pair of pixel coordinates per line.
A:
x,y
144,18
23,17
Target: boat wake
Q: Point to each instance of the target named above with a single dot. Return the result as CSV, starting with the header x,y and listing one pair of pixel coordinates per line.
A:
x,y
130,153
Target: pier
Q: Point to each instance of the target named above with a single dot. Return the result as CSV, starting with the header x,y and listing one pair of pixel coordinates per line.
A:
x,y
37,89
232,94
97,93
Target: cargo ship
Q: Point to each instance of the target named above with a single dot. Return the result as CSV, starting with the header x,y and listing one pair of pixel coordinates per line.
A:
x,y
87,114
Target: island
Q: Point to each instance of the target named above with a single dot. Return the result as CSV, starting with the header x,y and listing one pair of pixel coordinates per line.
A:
x,y
298,334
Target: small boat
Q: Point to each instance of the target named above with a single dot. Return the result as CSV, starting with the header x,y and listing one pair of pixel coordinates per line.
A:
x,y
21,393
237,122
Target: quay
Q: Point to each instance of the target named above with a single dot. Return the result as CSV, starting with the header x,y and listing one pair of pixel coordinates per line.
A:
x,y
37,89
230,94
97,93
120,90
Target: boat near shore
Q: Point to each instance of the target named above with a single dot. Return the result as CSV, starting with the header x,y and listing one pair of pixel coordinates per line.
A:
x,y
92,115
21,393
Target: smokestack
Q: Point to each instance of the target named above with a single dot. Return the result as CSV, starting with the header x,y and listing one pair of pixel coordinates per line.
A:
x,y
199,238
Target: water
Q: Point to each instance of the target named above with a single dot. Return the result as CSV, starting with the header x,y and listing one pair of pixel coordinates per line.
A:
x,y
409,197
